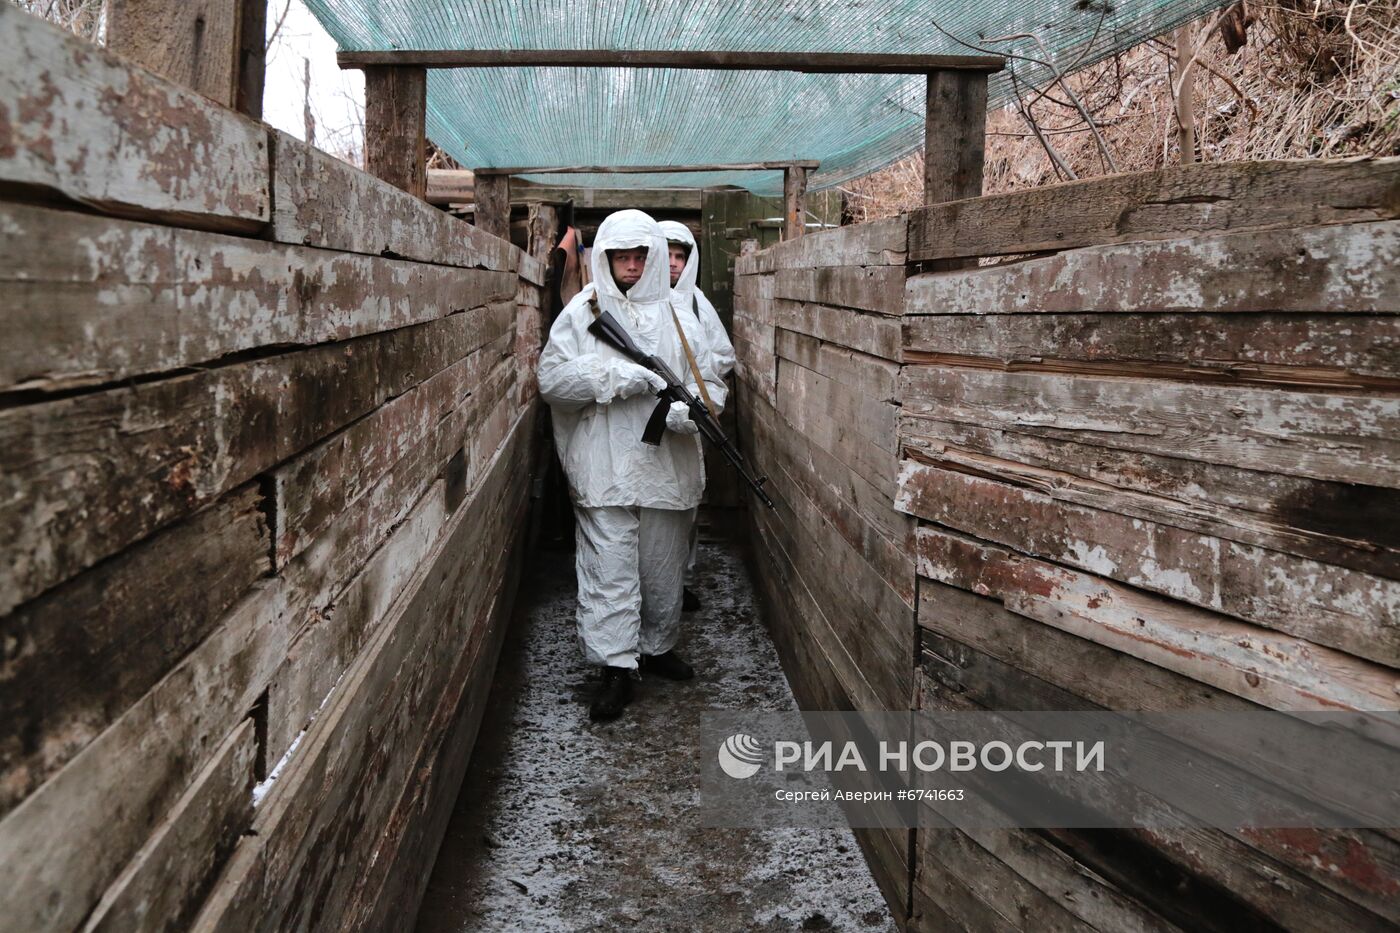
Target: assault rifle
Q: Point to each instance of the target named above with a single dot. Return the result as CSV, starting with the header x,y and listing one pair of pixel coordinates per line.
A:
x,y
606,328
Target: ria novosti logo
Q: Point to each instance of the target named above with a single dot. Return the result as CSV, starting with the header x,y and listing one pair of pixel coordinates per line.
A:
x,y
740,756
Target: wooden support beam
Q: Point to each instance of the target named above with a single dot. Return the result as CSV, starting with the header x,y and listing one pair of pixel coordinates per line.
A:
x,y
794,201
955,135
396,106
493,204
212,46
252,58
806,62
645,169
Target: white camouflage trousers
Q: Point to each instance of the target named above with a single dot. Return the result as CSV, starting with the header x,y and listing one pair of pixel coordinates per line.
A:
x,y
631,566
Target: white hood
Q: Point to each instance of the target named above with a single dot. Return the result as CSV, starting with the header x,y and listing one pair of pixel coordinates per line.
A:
x,y
685,285
629,230
687,297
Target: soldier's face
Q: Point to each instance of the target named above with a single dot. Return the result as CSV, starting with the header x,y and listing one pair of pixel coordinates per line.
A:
x,y
627,265
678,258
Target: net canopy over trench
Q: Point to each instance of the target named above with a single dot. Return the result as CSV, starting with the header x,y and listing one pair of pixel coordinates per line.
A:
x,y
852,124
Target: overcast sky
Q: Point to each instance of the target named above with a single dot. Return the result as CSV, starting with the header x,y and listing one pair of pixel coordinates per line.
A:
x,y
337,97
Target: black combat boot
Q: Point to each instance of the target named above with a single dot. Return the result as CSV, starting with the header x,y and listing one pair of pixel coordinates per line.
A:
x,y
668,665
614,693
689,601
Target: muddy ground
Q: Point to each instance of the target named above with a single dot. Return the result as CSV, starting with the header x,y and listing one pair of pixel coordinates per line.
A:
x,y
566,825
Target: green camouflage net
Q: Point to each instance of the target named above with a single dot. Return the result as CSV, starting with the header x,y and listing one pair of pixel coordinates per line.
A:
x,y
852,124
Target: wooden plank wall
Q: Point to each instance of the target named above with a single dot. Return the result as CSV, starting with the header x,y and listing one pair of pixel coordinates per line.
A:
x,y
1151,463
816,330
265,440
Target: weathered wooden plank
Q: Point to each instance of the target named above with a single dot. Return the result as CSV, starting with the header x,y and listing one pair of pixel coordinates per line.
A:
x,y
866,288
1349,438
962,628
752,286
849,410
1227,872
81,123
326,648
794,202
853,678
321,201
807,403
1344,269
876,334
871,621
393,888
598,199
755,332
311,489
860,513
878,243
1033,871
1272,669
322,652
1364,554
1329,352
145,759
1371,860
756,368
86,476
354,761
1332,606
804,61
396,102
1329,522
194,43
870,376
80,655
955,135
166,880
1163,204
448,186
91,300
492,215
968,882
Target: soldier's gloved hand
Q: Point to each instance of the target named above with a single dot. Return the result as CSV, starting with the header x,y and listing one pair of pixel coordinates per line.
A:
x,y
629,379
678,419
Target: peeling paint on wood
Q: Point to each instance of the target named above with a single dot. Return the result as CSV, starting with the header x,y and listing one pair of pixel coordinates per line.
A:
x,y
1345,609
76,658
1318,270
92,300
1349,438
79,121
323,202
1162,204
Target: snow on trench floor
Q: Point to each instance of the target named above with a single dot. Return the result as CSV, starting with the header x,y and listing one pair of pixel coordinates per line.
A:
x,y
564,824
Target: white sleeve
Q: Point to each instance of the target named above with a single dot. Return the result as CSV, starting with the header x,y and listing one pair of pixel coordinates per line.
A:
x,y
715,333
571,378
708,362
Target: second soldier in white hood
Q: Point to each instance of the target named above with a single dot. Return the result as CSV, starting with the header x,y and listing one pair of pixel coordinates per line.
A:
x,y
634,503
688,299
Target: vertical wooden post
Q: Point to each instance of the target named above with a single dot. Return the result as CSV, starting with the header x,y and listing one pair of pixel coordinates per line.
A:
x,y
493,204
215,47
794,202
252,58
396,108
955,135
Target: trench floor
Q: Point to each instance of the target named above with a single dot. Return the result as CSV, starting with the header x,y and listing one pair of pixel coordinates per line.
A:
x,y
567,825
